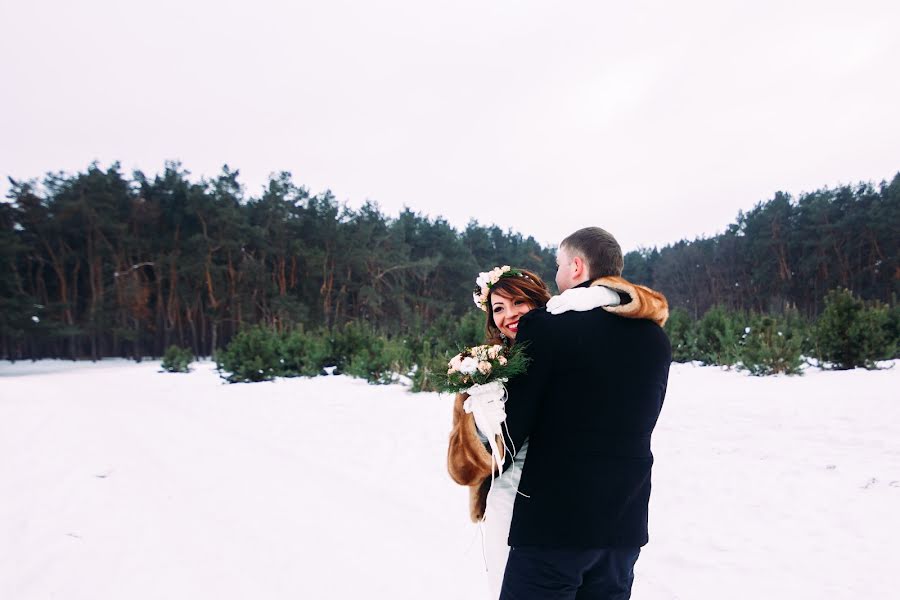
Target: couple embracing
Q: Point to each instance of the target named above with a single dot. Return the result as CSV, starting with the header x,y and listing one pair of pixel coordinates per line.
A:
x,y
565,515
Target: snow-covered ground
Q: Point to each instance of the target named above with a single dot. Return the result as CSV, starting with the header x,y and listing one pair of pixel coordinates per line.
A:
x,y
120,482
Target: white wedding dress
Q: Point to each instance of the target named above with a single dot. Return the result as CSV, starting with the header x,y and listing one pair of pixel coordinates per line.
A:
x,y
497,519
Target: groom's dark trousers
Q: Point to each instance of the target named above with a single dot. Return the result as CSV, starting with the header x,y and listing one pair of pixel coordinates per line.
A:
x,y
535,573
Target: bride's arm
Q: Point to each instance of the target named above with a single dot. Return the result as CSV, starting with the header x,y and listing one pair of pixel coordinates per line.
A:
x,y
468,461
643,303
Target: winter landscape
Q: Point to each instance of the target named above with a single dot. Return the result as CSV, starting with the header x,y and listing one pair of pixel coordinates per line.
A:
x,y
119,481
316,186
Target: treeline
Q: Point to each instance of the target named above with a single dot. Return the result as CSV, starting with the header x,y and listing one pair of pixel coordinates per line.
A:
x,y
102,264
785,255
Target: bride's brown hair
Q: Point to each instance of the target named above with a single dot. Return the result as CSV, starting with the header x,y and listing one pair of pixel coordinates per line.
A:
x,y
527,286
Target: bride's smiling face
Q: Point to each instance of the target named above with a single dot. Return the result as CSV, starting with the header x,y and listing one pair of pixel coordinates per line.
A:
x,y
507,311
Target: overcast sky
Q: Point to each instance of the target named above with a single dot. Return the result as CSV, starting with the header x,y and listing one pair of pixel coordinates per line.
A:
x,y
656,120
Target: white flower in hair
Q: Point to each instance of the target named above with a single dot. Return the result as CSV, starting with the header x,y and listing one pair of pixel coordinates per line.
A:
x,y
488,279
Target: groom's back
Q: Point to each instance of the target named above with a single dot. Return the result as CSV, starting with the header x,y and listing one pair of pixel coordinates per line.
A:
x,y
586,480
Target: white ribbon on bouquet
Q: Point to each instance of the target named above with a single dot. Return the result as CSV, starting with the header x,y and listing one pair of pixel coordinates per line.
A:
x,y
485,403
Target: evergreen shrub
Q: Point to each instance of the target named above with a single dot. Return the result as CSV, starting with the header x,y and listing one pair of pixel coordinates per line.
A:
x,y
429,365
893,329
344,341
681,331
718,335
254,354
177,360
381,360
302,354
469,331
445,337
850,334
771,345
359,350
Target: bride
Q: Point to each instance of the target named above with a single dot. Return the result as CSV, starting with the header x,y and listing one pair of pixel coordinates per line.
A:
x,y
505,298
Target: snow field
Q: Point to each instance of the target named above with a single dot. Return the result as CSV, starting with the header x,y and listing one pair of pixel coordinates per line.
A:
x,y
122,482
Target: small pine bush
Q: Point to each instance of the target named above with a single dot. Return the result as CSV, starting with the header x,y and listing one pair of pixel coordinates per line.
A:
x,y
445,337
177,360
347,340
430,364
770,346
469,331
380,360
680,329
302,354
252,355
892,329
718,335
849,334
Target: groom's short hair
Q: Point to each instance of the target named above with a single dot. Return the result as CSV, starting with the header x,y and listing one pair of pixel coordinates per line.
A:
x,y
599,249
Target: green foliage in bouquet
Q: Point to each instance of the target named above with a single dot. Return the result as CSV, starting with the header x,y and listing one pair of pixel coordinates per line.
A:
x,y
177,360
480,365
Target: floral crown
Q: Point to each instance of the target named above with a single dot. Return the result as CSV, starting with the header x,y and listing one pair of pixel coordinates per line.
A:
x,y
487,279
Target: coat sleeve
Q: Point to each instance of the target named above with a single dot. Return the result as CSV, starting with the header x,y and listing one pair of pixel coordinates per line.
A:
x,y
527,390
643,303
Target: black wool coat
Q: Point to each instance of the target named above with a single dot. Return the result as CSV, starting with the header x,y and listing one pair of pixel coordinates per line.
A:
x,y
587,404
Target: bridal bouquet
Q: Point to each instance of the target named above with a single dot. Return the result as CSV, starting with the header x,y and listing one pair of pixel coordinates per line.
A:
x,y
480,372
480,365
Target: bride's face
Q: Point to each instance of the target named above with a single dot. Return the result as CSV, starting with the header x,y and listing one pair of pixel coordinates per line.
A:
x,y
507,313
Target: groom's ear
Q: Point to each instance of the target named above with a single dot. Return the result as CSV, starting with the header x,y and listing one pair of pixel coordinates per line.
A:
x,y
580,267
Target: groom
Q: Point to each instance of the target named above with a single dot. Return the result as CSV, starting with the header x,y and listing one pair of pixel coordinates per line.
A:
x,y
588,405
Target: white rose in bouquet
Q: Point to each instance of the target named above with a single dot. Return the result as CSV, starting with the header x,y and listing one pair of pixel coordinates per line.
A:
x,y
468,366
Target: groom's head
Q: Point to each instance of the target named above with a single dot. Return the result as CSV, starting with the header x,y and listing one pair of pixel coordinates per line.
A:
x,y
586,255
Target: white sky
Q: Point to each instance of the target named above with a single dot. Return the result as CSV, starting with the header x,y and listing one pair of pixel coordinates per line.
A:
x,y
656,120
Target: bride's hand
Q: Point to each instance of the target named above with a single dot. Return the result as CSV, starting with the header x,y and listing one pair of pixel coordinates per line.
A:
x,y
582,299
485,402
